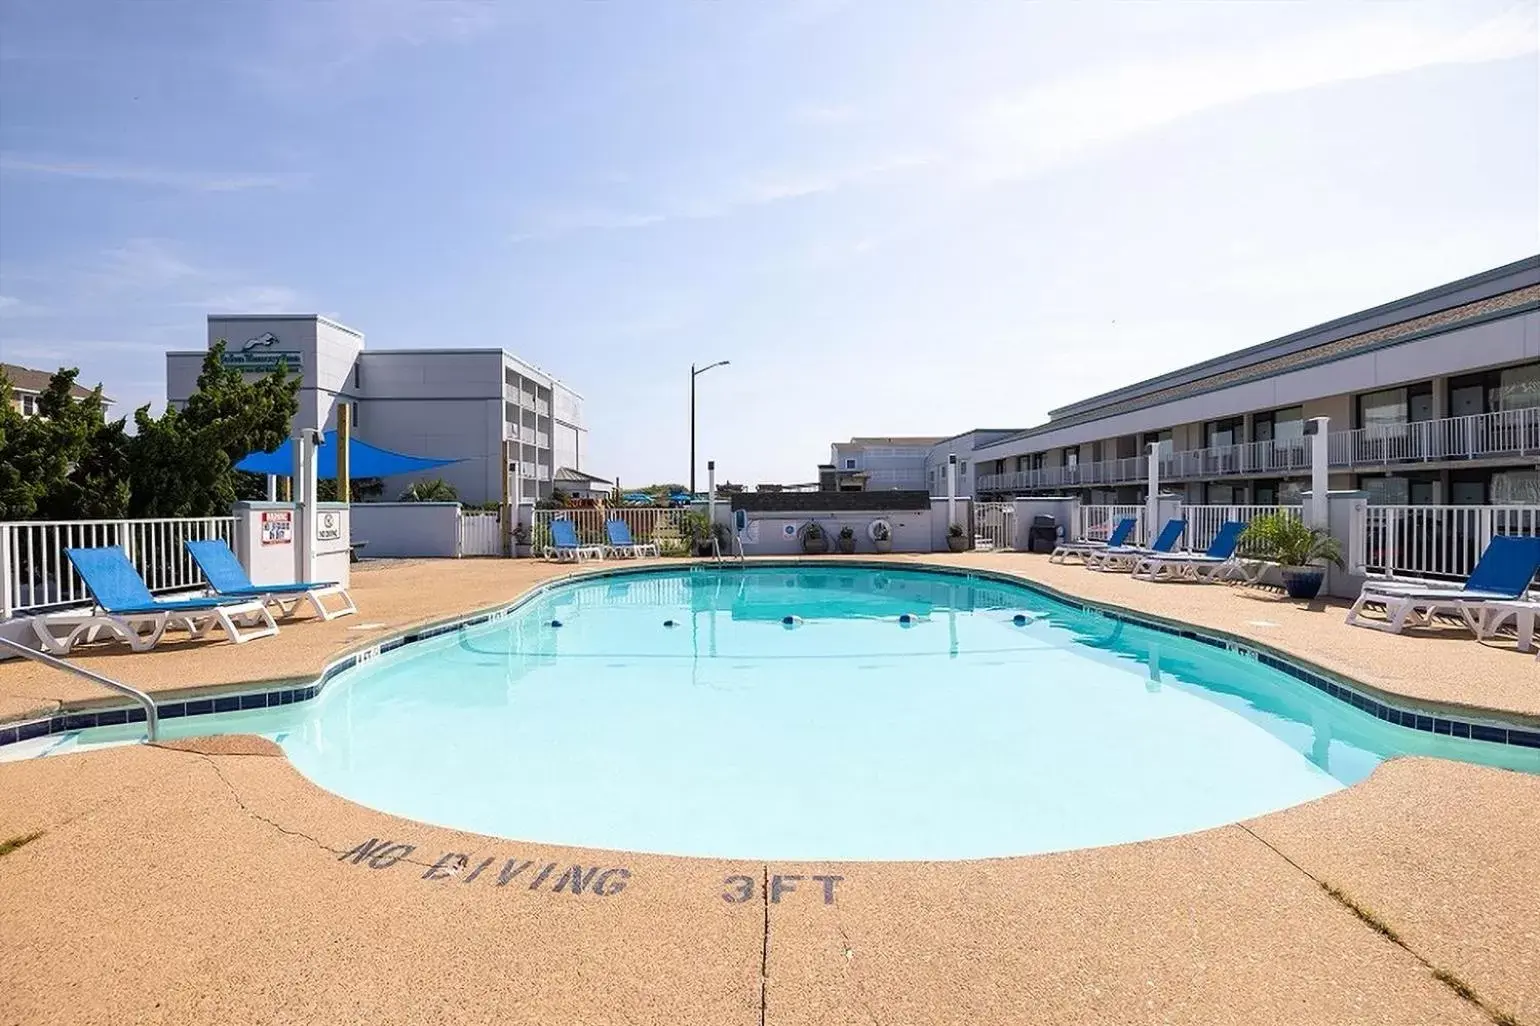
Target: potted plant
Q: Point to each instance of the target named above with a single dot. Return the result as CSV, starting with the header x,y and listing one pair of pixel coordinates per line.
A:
x,y
697,530
882,536
521,546
814,540
1301,552
955,539
847,539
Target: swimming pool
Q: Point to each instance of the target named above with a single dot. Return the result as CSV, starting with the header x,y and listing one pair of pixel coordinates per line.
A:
x,y
826,713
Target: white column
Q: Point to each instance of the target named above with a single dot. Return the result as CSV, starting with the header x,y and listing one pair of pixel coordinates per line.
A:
x,y
711,493
304,498
1152,486
951,489
1316,428
272,488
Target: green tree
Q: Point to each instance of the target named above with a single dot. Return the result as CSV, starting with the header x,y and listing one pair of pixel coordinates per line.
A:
x,y
67,462
182,463
436,490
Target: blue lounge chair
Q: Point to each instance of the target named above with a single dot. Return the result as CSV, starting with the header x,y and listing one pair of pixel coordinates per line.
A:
x,y
1218,562
1080,549
1503,575
227,577
565,548
124,605
1124,557
623,544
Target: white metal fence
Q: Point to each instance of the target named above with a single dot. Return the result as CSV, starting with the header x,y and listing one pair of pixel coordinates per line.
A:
x,y
663,525
1203,522
1438,541
35,573
1097,522
480,534
994,525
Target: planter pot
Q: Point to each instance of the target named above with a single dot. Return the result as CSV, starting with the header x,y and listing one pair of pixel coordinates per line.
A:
x,y
703,548
886,545
846,545
956,542
815,546
1303,582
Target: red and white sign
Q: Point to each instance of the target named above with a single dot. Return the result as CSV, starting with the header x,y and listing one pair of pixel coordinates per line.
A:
x,y
277,527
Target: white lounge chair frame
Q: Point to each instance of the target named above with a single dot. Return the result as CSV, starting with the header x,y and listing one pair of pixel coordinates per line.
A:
x,y
573,553
1181,566
288,601
129,627
635,550
1417,608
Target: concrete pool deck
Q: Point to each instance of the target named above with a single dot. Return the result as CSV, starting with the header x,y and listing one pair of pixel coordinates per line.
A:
x,y
207,881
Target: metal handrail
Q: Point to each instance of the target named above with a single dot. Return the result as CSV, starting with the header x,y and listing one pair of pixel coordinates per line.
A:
x,y
151,718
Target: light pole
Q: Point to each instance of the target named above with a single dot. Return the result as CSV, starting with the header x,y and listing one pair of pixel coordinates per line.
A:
x,y
693,375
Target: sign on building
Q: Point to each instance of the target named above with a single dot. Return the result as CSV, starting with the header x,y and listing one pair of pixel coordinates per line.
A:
x,y
277,527
328,526
257,356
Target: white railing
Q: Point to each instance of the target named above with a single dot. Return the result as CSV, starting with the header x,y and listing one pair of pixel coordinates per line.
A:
x,y
1438,541
480,534
35,573
1203,522
660,524
1505,433
1097,522
994,525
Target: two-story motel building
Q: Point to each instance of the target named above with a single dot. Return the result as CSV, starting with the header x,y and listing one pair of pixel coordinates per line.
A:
x,y
1432,399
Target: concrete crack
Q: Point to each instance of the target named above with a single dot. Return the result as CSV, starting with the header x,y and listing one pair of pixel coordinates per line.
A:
x,y
764,951
279,826
1461,989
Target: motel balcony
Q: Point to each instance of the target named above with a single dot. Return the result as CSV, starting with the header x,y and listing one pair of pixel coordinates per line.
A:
x,y
1506,434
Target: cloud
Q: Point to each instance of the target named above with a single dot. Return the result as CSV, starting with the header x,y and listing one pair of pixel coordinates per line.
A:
x,y
9,303
1046,125
825,115
250,299
191,181
750,191
142,265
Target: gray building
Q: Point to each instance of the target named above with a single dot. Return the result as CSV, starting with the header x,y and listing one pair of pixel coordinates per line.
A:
x,y
1432,399
449,403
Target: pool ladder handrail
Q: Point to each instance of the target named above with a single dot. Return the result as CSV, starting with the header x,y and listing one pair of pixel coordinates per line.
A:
x,y
151,717
716,548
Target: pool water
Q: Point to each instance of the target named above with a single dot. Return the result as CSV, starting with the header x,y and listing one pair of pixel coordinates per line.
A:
x,y
845,733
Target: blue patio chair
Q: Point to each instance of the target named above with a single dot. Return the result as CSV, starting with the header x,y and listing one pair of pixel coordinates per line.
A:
x,y
1498,584
1124,557
623,544
565,548
227,577
1080,549
124,605
1219,561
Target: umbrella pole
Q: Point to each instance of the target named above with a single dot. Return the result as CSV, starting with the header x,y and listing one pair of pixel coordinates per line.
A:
x,y
344,444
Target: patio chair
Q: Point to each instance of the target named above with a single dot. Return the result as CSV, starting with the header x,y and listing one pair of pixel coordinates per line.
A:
x,y
226,576
1502,577
623,544
1080,549
565,548
1217,563
1124,557
124,605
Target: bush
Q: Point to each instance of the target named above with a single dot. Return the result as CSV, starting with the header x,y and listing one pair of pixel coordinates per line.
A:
x,y
1286,540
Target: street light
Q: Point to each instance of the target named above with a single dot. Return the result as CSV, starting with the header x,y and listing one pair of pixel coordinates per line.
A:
x,y
694,373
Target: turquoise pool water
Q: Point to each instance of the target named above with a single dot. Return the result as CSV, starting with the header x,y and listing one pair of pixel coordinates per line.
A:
x,y
846,734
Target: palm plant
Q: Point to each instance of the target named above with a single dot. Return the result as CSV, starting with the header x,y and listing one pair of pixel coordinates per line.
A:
x,y
436,490
1286,540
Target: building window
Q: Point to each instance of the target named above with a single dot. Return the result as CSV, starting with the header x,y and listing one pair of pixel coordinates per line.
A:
x,y
358,371
1229,431
850,463
29,405
1518,388
1516,487
1400,490
1286,425
1072,457
962,468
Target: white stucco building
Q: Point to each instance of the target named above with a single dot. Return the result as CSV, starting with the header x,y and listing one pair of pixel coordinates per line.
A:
x,y
446,403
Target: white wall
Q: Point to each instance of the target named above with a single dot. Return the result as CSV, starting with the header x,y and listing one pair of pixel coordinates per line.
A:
x,y
407,529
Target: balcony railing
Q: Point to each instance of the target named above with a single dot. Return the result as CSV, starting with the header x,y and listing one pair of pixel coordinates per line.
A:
x,y
1505,433
1482,435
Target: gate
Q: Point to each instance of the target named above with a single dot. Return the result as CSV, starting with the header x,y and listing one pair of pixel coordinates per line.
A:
x,y
994,526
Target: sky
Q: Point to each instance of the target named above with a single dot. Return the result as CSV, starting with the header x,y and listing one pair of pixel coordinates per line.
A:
x,y
891,217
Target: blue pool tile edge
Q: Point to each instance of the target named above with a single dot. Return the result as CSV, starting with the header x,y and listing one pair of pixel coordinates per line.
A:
x,y
1494,731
